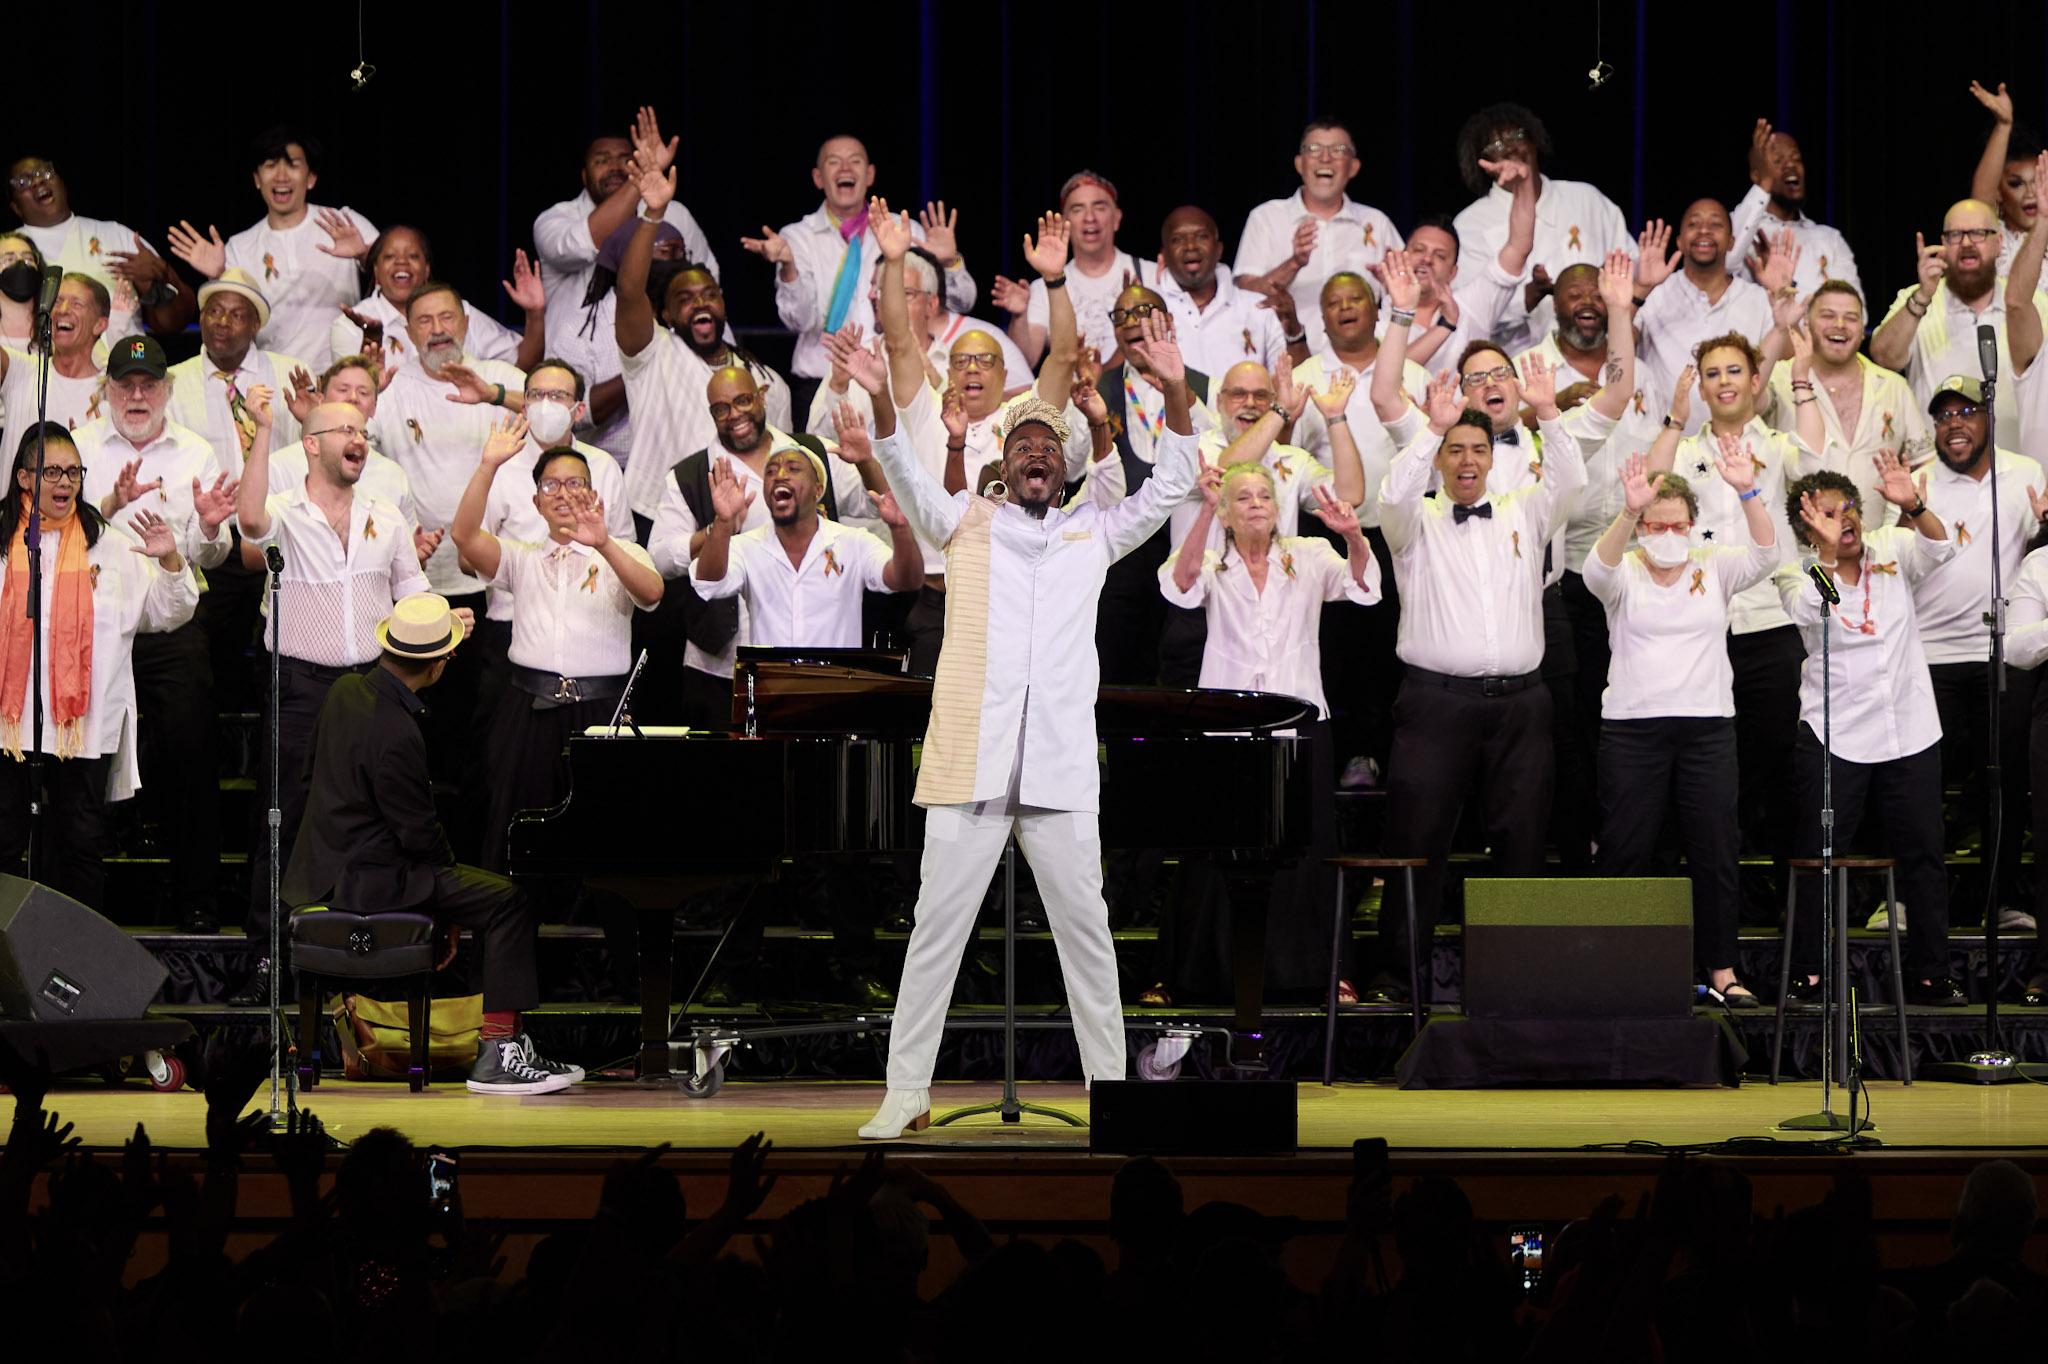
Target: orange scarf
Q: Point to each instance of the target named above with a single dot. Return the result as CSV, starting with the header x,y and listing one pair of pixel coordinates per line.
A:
x,y
67,642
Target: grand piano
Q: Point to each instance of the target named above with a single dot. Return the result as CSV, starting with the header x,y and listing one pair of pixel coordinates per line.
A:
x,y
820,761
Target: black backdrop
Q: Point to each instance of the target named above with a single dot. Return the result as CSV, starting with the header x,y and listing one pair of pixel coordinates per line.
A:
x,y
478,112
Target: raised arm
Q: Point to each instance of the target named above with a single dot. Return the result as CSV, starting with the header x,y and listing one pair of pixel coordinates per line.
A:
x,y
1991,165
1187,564
1891,345
633,324
1347,470
1637,493
1736,463
1408,476
1805,399
1617,290
905,572
251,495
2022,319
1389,402
1664,450
1048,256
1516,177
729,503
477,545
906,352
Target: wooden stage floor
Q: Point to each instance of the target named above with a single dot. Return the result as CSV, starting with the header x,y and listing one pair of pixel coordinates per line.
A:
x,y
811,1116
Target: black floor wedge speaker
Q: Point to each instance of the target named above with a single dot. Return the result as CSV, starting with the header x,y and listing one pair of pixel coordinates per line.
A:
x,y
1192,1118
60,961
1570,948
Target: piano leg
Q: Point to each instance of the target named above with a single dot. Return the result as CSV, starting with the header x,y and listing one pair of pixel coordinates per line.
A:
x,y
657,959
1249,897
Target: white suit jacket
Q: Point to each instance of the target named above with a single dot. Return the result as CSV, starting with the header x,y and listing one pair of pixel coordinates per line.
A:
x,y
1019,657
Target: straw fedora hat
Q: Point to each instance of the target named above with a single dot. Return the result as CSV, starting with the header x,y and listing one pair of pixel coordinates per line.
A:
x,y
235,280
420,626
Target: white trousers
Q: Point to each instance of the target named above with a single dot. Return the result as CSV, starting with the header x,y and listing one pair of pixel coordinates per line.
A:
x,y
962,845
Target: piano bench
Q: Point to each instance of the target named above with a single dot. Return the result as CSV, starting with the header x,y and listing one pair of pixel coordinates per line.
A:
x,y
339,945
1342,916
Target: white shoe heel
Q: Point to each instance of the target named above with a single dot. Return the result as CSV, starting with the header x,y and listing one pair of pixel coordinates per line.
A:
x,y
904,1110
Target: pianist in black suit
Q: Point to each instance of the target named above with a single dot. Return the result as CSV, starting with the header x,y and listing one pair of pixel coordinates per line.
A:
x,y
371,841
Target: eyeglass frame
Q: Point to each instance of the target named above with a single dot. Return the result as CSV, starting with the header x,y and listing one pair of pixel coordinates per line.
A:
x,y
575,483
1119,317
31,179
1961,236
1499,374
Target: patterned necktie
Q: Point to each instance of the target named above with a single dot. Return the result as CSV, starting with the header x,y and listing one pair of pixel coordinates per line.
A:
x,y
238,410
552,566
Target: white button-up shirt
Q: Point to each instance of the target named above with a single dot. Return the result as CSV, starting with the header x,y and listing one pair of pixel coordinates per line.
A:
x,y
1824,253
2031,387
572,616
1482,294
665,386
130,593
199,400
303,284
2026,619
568,258
1472,592
1780,462
814,604
1880,693
1575,224
72,403
486,339
1269,640
1356,238
805,304
1092,297
509,512
438,444
381,478
1013,704
1670,643
1951,604
331,595
1676,317
1231,330
177,456
1376,449
1889,419
1296,476
87,246
1945,343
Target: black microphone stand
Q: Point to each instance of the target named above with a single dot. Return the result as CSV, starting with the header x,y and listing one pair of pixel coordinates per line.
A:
x,y
273,560
32,537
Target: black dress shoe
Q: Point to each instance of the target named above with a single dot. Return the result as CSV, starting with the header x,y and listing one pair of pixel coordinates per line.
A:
x,y
1802,992
255,991
2036,994
866,992
1940,992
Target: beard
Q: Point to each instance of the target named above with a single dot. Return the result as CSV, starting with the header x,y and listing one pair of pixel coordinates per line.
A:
x,y
1975,283
434,359
1579,338
1975,453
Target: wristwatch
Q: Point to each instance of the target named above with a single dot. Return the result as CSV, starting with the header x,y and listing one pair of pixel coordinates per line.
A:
x,y
1672,423
158,294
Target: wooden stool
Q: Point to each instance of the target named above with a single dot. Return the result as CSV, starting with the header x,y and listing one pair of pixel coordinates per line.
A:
x,y
1407,866
335,944
1843,866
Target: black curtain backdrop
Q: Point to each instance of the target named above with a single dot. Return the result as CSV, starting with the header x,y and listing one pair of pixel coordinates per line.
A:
x,y
478,113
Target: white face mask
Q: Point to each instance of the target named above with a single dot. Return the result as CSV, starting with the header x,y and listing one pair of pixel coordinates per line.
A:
x,y
1667,550
548,421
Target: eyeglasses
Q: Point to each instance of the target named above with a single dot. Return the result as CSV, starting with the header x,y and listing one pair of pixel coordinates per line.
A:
x,y
1663,527
720,411
64,473
1248,395
1971,236
575,483
345,432
30,179
1317,150
567,397
977,359
1481,378
1512,137
1959,412
147,383
1137,311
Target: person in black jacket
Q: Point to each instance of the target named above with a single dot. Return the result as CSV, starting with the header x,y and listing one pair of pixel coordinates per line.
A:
x,y
371,841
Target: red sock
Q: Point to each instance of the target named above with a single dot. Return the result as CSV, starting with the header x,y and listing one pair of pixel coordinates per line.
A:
x,y
500,1024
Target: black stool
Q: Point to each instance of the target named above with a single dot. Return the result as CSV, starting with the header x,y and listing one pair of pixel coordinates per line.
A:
x,y
335,944
1843,866
1342,916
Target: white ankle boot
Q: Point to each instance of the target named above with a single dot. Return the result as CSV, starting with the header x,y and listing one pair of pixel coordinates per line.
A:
x,y
904,1110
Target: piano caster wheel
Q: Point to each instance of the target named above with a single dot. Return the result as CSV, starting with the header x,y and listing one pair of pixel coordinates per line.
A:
x,y
1153,1066
165,1073
702,1085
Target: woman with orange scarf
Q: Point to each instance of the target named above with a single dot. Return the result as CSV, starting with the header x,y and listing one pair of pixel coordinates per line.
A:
x,y
101,582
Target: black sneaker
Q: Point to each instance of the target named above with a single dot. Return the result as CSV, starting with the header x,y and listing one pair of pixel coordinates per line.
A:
x,y
539,1062
1941,992
502,1068
1802,992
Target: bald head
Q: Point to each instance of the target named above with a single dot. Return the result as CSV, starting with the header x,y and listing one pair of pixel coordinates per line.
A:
x,y
1245,395
334,455
976,369
737,409
1969,243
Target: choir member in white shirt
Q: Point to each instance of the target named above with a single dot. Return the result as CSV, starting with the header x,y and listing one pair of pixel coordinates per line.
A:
x,y
1775,201
304,257
1886,731
1844,407
1667,738
2026,646
1449,316
355,380
825,260
398,265
1931,331
2024,336
77,378
2006,174
1473,719
1216,323
135,453
1097,274
573,598
1296,243
102,582
1011,747
1575,223
142,289
21,280
1951,606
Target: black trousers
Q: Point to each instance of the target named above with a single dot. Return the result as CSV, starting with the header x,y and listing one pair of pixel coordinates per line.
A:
x,y
302,689
707,701
527,761
926,624
1183,637
449,727
1130,615
1904,796
230,611
1683,765
1766,666
1574,814
1361,672
505,922
1589,643
179,730
1960,697
1451,746
73,839
2037,749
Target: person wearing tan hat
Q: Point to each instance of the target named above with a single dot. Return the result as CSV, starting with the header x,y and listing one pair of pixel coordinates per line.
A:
x,y
371,841
210,390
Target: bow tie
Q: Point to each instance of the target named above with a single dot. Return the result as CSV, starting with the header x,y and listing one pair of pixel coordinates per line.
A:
x,y
1511,436
1459,515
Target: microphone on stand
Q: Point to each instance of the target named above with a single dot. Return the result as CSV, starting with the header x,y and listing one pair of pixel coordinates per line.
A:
x,y
53,280
1829,593
273,558
1987,352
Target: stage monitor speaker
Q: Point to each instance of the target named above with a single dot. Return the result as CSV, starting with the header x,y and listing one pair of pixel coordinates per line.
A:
x,y
1566,948
1192,1118
59,960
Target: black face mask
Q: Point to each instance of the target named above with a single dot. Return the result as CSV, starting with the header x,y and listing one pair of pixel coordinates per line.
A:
x,y
19,280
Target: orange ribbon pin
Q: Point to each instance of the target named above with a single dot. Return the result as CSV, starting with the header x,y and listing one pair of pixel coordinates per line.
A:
x,y
1699,583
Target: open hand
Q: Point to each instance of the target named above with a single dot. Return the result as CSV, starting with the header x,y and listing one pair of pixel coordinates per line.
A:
x,y
1444,403
347,237
1336,394
892,233
1736,462
589,528
1825,525
1618,285
1048,253
953,413
657,186
215,504
208,255
729,500
1763,167
852,432
155,534
1404,291
1774,272
648,148
1340,516
1156,354
303,397
1999,104
1637,491
524,288
939,238
1539,386
1290,399
1681,395
507,438
770,246
129,486
1653,266
141,267
1895,480
469,385
1010,295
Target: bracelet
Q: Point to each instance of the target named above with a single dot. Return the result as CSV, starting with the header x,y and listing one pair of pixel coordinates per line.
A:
x,y
1638,299
1753,492
641,214
1918,511
499,401
956,445
1058,281
1295,339
1337,420
1802,383
1920,311
1402,316
1098,426
1801,402
1672,423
